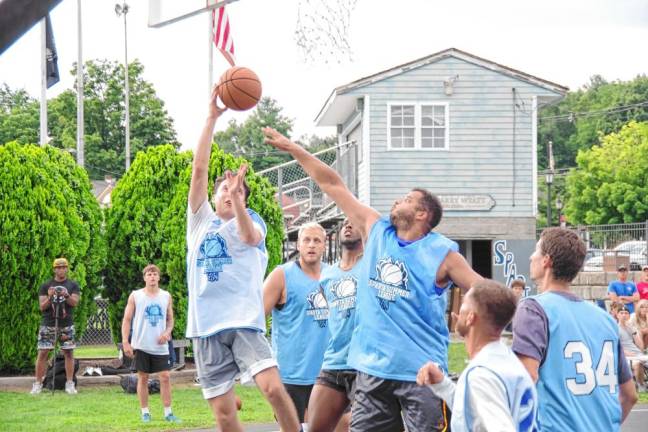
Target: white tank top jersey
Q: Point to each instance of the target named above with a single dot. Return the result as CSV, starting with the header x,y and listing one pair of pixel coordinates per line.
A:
x,y
149,321
224,274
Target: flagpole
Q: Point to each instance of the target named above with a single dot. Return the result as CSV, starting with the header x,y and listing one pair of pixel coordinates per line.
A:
x,y
43,101
80,121
210,79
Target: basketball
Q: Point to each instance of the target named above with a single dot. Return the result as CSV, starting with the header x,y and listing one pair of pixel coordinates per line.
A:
x,y
239,88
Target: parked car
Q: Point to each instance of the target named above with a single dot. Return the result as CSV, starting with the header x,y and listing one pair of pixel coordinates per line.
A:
x,y
635,249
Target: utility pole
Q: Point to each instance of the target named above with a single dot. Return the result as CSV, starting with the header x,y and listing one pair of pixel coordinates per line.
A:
x,y
80,121
549,177
122,9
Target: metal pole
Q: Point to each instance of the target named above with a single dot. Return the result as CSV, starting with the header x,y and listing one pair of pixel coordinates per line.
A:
x,y
80,120
127,88
43,101
549,204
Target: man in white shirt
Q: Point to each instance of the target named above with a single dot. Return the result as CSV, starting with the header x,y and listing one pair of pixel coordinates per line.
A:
x,y
632,345
494,392
226,262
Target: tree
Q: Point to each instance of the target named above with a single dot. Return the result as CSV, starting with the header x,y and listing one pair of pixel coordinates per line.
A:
x,y
578,121
246,139
47,210
611,182
19,116
147,224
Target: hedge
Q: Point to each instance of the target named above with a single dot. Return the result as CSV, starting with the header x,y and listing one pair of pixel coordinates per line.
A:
x,y
47,210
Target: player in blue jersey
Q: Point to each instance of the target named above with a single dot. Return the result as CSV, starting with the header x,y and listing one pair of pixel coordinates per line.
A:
x,y
226,261
494,392
334,389
401,301
299,316
569,346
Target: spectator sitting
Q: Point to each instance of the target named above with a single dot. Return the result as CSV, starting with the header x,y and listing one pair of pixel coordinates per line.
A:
x,y
614,309
642,287
632,347
639,321
623,290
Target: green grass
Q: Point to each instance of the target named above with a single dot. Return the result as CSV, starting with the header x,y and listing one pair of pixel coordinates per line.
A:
x,y
92,351
457,357
110,409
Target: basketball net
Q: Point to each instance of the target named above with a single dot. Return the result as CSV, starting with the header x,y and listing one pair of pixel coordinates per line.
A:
x,y
322,32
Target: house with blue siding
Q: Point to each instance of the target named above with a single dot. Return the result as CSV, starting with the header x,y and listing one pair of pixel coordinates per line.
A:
x,y
464,128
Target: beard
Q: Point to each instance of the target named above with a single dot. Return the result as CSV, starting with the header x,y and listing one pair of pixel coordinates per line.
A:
x,y
401,220
350,243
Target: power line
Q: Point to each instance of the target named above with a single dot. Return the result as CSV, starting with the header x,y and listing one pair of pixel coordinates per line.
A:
x,y
573,115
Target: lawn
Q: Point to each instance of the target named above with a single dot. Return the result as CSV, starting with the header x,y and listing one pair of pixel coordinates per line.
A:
x,y
95,351
110,409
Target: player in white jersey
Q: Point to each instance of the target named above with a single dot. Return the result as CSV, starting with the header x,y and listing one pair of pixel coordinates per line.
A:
x,y
149,314
494,392
226,262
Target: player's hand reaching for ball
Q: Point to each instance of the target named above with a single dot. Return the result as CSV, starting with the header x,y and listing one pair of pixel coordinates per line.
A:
x,y
430,373
277,140
214,110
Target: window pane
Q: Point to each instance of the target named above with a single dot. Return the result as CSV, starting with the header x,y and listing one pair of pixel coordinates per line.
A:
x,y
439,110
439,142
408,110
397,142
396,132
439,133
408,121
427,110
396,121
408,142
409,133
396,110
427,142
426,132
426,120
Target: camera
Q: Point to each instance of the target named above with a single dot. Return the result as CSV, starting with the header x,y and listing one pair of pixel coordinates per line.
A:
x,y
58,290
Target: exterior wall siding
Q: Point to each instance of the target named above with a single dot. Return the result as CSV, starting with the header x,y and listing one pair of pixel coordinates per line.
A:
x,y
480,157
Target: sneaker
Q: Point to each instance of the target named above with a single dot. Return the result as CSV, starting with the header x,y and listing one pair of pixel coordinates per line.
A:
x,y
37,388
173,419
69,388
146,418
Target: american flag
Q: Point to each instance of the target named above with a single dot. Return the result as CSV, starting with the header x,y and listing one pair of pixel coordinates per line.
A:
x,y
222,34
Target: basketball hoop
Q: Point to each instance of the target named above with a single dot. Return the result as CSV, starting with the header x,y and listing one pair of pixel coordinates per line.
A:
x,y
322,32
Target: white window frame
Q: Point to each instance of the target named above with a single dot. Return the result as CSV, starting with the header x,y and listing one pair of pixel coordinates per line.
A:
x,y
418,126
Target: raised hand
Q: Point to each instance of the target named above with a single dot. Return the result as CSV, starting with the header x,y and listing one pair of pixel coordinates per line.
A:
x,y
430,373
214,110
235,181
277,140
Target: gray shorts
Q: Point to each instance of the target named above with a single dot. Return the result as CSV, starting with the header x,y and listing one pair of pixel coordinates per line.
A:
x,y
221,357
379,403
340,380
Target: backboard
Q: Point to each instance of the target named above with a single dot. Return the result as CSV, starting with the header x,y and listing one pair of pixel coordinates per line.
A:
x,y
165,12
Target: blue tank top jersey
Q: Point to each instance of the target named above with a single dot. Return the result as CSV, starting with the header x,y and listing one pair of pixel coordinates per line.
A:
x,y
400,320
299,329
340,289
578,384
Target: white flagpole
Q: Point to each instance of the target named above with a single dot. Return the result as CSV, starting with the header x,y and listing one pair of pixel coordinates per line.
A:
x,y
80,121
210,79
43,101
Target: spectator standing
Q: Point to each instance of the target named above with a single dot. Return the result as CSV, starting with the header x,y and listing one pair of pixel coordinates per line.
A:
x,y
623,290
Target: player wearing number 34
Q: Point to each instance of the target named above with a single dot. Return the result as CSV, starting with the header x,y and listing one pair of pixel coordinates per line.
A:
x,y
569,346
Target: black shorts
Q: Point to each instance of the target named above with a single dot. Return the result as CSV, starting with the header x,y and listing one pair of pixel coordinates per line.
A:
x,y
150,363
342,381
300,394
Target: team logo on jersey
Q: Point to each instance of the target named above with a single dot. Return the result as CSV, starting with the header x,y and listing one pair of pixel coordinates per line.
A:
x,y
213,256
344,295
527,412
317,307
153,314
390,282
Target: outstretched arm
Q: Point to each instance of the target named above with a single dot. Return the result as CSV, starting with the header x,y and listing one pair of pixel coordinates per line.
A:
x,y
274,290
456,268
328,180
200,168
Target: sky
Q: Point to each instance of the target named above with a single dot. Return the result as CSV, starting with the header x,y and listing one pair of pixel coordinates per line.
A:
x,y
564,41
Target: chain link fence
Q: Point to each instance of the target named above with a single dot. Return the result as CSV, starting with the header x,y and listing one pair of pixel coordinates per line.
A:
x,y
609,246
98,328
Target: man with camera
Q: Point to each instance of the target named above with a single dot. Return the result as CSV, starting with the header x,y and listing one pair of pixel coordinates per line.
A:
x,y
57,298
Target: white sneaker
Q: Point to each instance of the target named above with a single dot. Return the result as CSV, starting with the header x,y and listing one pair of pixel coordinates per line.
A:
x,y
69,387
37,388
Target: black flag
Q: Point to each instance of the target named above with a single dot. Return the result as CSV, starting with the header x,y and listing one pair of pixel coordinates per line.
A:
x,y
52,57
